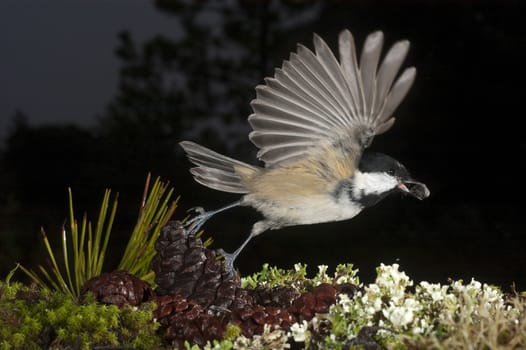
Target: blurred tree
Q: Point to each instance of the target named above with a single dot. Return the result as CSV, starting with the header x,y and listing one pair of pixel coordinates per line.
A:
x,y
195,85
38,164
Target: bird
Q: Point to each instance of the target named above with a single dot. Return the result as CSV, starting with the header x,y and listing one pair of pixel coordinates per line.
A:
x,y
313,122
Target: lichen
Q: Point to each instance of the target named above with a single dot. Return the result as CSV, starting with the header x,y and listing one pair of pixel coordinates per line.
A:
x,y
275,339
271,276
455,315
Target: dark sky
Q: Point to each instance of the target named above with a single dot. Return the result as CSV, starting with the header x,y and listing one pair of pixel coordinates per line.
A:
x,y
57,61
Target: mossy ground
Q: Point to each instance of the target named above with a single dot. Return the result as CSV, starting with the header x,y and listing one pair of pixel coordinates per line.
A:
x,y
36,319
392,313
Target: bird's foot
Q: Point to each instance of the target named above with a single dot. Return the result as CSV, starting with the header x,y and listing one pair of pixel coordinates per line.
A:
x,y
198,210
229,261
193,225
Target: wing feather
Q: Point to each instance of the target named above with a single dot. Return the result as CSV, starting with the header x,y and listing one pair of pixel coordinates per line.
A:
x,y
280,138
340,86
300,112
398,92
314,100
292,152
387,72
316,85
350,70
285,87
368,65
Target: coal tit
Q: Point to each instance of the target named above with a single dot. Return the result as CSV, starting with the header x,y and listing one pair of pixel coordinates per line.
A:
x,y
312,123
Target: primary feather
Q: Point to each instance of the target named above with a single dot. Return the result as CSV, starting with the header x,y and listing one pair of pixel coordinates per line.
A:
x,y
314,98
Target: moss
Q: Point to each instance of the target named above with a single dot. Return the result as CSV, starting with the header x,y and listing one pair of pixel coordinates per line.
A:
x,y
32,319
232,332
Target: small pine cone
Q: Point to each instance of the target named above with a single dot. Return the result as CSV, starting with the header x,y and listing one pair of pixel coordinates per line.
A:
x,y
168,305
325,297
281,296
280,317
252,318
178,257
184,266
318,300
119,288
243,297
184,320
226,292
303,306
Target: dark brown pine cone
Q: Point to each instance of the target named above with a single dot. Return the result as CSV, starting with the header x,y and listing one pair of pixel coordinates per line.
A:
x,y
252,318
281,296
318,300
184,266
185,320
119,288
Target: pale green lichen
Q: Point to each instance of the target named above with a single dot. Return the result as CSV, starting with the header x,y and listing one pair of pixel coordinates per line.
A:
x,y
270,276
456,315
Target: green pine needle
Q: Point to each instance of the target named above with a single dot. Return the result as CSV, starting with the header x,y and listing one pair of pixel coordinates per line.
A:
x,y
84,248
81,260
157,207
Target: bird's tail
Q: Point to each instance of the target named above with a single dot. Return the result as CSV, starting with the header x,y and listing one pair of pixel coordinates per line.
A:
x,y
215,170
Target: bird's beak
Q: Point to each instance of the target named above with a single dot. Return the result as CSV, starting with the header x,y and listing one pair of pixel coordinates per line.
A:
x,y
414,188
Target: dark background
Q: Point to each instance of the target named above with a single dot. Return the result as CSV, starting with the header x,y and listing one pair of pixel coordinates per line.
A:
x,y
460,130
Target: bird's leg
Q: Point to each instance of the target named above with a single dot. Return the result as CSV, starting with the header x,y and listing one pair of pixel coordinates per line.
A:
x,y
194,224
258,228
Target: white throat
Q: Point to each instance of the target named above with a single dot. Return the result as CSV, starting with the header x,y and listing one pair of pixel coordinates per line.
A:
x,y
372,183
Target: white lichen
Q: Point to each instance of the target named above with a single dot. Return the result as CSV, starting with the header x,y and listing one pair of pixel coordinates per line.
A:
x,y
270,339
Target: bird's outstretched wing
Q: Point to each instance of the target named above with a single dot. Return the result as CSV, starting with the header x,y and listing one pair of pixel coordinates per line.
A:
x,y
313,99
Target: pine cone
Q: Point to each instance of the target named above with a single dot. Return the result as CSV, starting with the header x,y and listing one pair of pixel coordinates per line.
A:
x,y
318,300
252,318
281,296
119,288
185,320
184,266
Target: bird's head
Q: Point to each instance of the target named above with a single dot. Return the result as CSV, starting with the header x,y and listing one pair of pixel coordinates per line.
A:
x,y
386,174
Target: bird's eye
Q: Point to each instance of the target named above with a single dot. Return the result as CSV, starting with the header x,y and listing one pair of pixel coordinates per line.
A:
x,y
391,172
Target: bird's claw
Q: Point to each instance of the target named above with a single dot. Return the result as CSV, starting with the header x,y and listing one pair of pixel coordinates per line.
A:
x,y
198,210
194,224
228,261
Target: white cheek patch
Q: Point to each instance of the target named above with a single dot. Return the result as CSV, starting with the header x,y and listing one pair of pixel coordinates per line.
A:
x,y
372,183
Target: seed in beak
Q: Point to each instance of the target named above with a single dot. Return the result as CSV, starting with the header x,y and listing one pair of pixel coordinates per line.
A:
x,y
403,187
